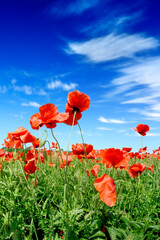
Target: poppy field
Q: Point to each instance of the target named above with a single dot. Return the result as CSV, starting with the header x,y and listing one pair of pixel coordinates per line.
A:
x,y
50,194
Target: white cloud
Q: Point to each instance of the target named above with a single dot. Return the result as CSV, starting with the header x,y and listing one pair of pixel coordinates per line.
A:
x,y
140,84
105,120
65,86
146,99
84,133
104,129
31,104
153,134
26,89
13,81
3,89
20,115
80,6
41,92
121,131
112,47
75,7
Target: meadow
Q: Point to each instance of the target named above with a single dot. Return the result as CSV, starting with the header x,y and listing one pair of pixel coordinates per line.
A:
x,y
81,194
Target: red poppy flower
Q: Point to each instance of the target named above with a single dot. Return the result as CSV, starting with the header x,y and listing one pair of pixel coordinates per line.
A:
x,y
142,149
19,132
107,189
79,148
2,152
76,102
6,144
142,129
28,137
95,170
48,115
15,142
19,136
35,181
114,158
125,149
30,167
87,171
150,168
54,145
136,169
36,143
65,161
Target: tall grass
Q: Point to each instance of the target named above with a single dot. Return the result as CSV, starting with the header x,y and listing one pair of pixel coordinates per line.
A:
x,y
30,211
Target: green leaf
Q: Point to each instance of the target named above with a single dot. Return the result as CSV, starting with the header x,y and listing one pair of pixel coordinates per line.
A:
x,y
98,234
112,233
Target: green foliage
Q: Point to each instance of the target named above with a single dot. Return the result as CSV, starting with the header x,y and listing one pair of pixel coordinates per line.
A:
x,y
29,211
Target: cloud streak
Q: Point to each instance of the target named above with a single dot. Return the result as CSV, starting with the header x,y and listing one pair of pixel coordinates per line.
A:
x,y
112,47
105,120
104,129
76,7
58,84
31,104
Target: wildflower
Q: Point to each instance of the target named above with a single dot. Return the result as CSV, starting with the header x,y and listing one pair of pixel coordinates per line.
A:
x,y
30,167
36,143
136,169
81,148
125,149
107,189
95,170
114,158
142,149
76,102
19,136
142,129
49,116
2,152
34,181
150,168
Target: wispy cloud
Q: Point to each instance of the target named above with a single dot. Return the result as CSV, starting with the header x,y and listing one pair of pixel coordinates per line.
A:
x,y
62,8
26,89
58,84
3,89
104,129
139,84
19,115
121,131
153,134
105,120
89,134
31,104
117,20
112,47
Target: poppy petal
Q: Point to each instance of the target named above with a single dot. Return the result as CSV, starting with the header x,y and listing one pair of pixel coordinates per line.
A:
x,y
36,121
107,189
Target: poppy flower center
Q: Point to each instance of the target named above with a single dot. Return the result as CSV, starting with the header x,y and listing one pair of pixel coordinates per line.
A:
x,y
75,110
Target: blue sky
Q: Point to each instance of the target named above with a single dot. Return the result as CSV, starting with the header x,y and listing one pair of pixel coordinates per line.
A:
x,y
109,50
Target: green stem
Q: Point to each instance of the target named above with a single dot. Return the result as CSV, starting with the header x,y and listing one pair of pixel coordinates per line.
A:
x,y
84,148
23,173
142,141
49,151
74,117
58,146
42,142
141,145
